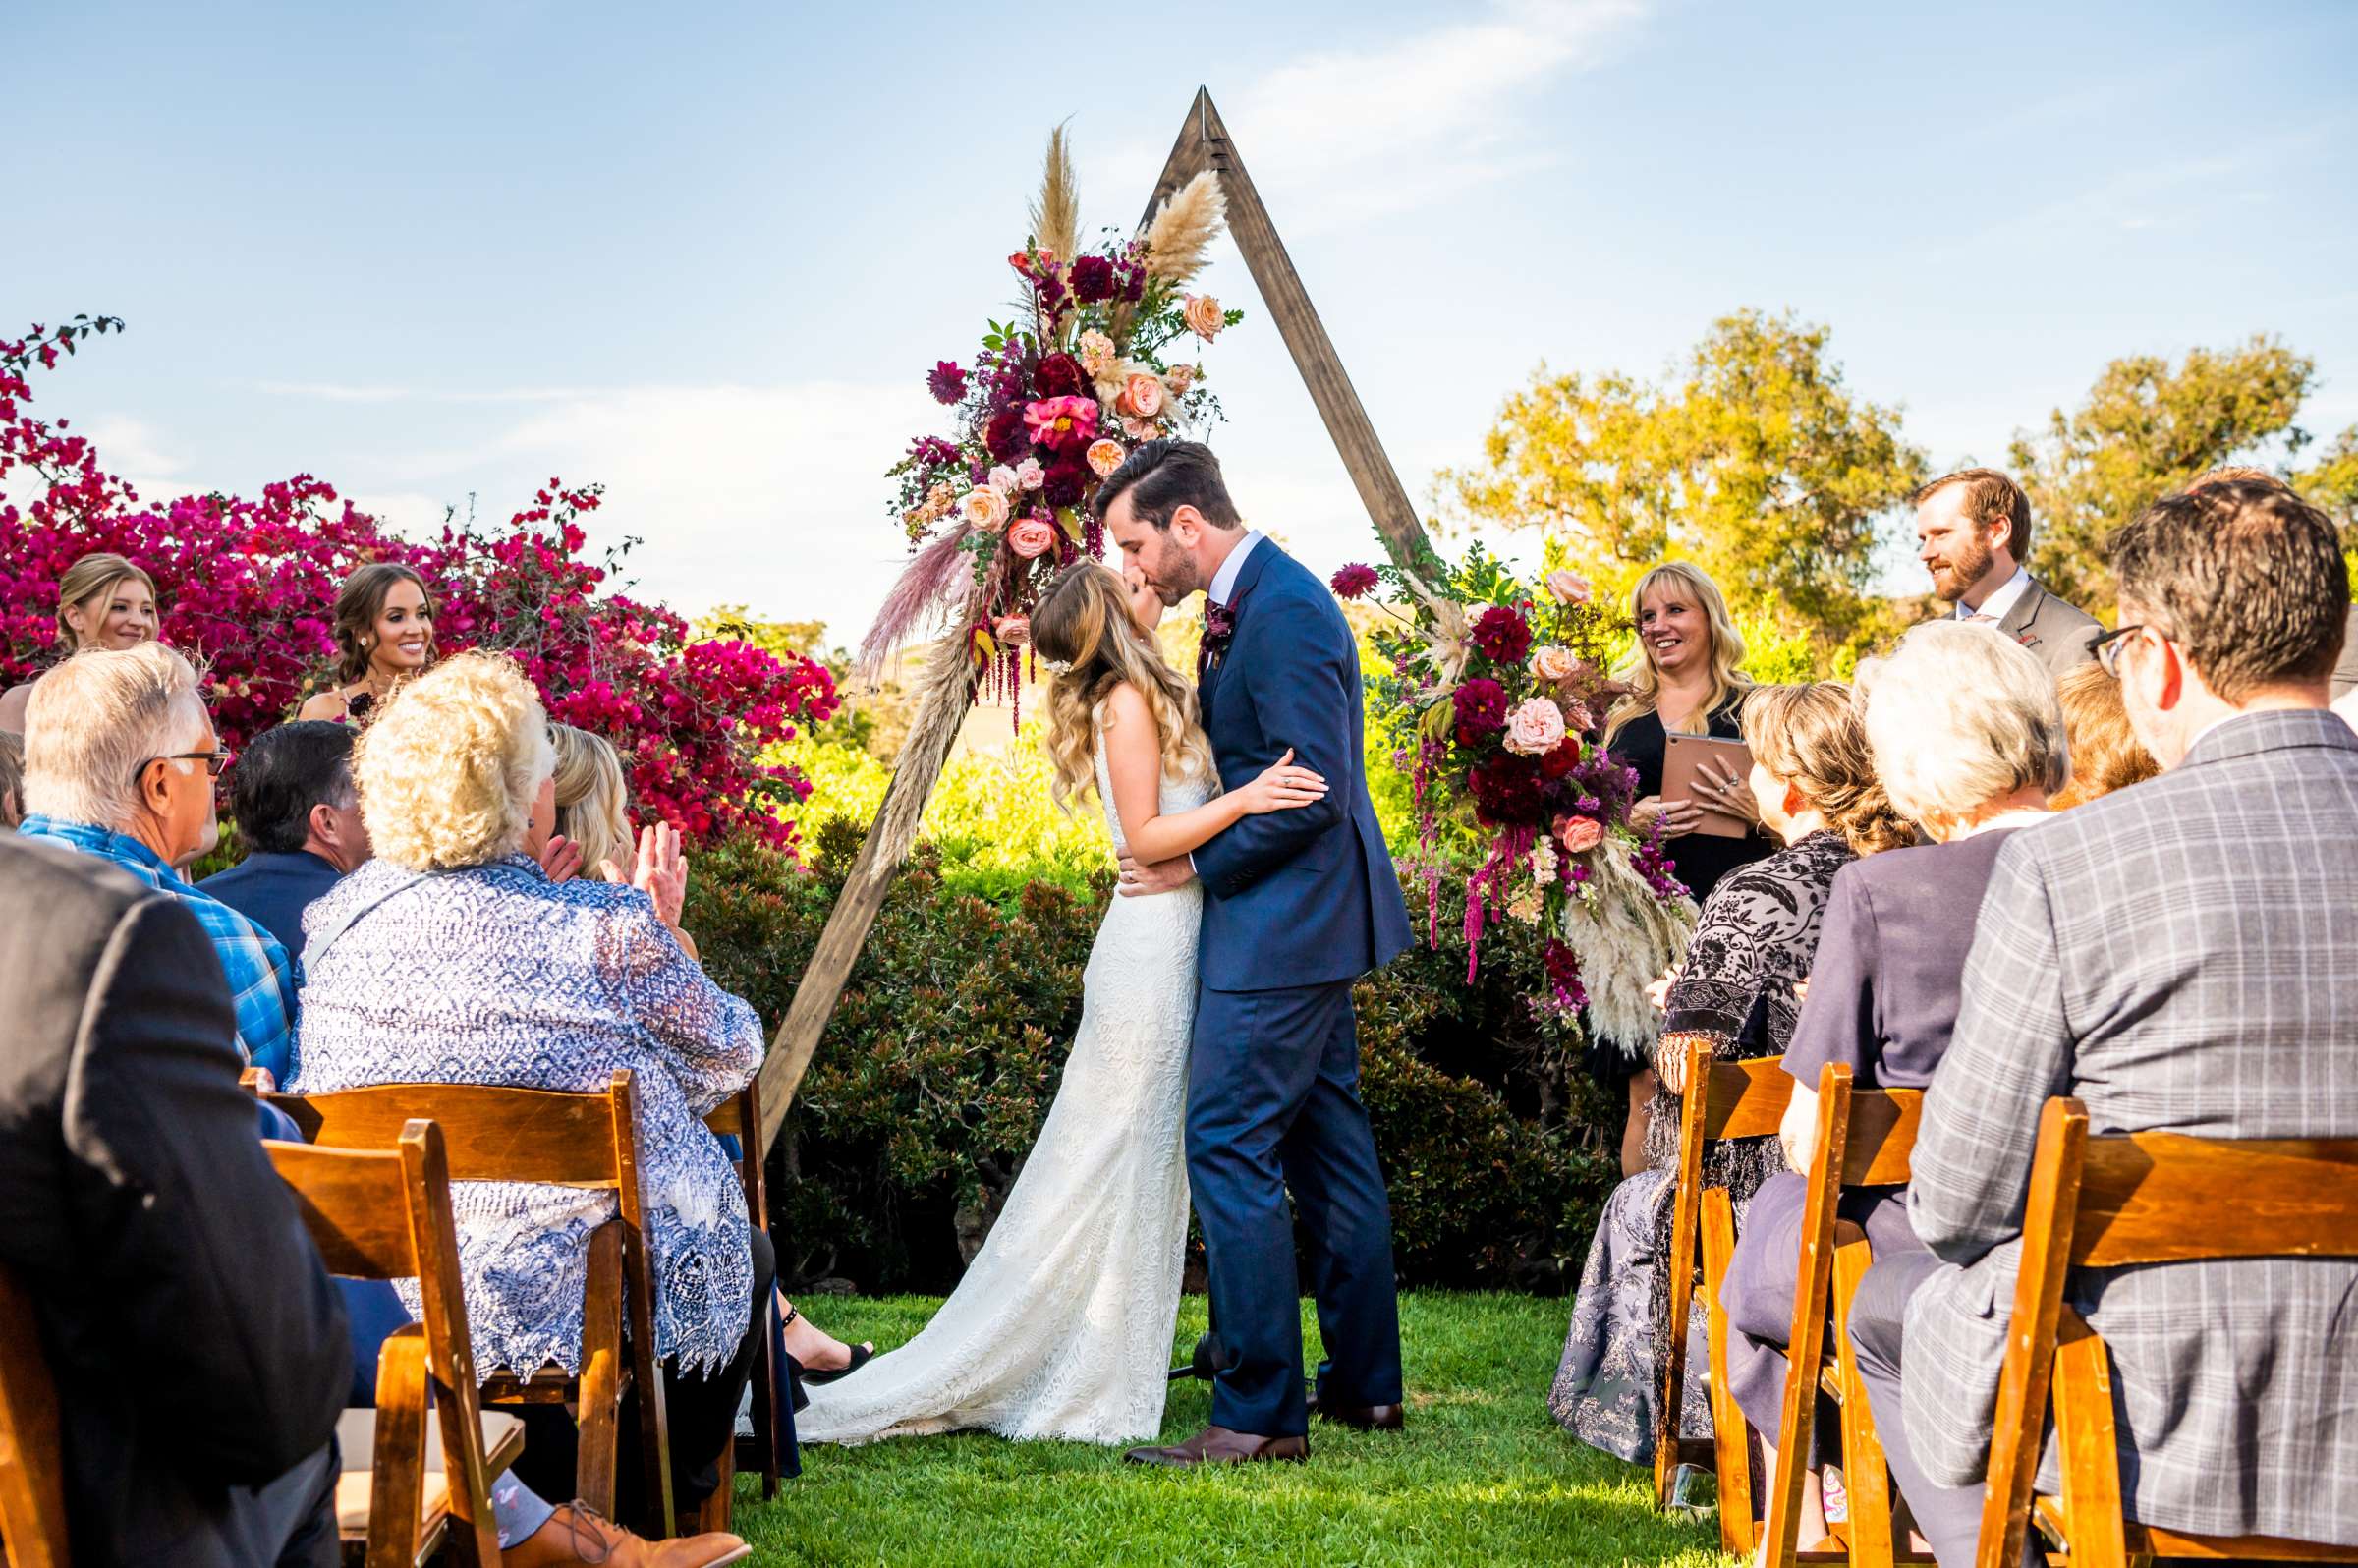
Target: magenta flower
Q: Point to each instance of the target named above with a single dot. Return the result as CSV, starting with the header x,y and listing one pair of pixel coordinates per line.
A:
x,y
1502,633
1352,582
1062,425
1481,707
947,382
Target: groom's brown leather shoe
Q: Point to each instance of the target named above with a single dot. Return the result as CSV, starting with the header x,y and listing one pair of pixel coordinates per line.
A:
x,y
1217,1445
1366,1418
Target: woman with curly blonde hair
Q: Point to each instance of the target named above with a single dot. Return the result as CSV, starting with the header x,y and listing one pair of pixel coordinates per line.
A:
x,y
1062,1326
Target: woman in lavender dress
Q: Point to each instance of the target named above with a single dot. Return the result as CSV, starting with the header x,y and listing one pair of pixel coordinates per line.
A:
x,y
453,958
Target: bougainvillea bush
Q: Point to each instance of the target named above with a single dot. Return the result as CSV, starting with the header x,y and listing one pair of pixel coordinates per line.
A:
x,y
247,586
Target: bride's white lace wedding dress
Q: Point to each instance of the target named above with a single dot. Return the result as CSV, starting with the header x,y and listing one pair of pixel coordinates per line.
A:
x,y
1062,1326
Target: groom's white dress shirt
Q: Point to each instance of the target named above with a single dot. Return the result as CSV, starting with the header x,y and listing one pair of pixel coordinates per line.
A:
x,y
1223,580
2001,599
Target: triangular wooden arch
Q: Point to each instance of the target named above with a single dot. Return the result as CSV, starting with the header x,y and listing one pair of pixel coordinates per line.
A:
x,y
1203,143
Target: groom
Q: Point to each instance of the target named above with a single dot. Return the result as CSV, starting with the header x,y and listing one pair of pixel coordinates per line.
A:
x,y
1298,904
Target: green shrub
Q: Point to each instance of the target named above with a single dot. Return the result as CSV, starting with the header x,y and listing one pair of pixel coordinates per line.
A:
x,y
946,1049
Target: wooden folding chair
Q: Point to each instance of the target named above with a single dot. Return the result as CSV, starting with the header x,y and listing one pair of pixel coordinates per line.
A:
x,y
2114,1202
740,1117
33,1472
386,1215
1726,1099
532,1135
1865,1137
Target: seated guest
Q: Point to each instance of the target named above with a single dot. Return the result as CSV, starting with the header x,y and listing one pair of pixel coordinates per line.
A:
x,y
1814,787
2179,957
293,800
1974,532
103,601
1683,680
1968,741
119,759
198,1346
2105,753
385,622
2343,684
487,971
12,779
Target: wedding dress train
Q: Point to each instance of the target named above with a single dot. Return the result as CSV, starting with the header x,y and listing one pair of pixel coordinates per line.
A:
x,y
1062,1326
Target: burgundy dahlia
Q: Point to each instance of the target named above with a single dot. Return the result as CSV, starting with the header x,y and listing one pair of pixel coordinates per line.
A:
x,y
1064,483
947,382
1058,375
1481,706
1506,789
1502,635
1352,582
1093,279
1561,761
1006,435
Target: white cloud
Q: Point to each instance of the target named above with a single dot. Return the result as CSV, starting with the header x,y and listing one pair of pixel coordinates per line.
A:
x,y
1363,133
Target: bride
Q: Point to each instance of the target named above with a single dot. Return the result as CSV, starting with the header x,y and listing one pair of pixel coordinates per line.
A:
x,y
1062,1326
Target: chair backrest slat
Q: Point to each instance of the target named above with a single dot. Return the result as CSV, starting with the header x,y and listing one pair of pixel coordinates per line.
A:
x,y
2292,1198
356,1206
524,1134
32,1476
1746,1099
1883,1136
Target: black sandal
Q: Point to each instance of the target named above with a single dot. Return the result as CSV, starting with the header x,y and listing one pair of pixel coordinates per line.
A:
x,y
860,1355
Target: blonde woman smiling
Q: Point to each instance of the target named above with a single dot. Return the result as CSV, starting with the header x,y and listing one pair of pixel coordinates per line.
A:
x,y
103,601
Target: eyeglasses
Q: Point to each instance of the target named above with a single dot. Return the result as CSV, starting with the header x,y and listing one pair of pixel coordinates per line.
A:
x,y
214,761
2108,647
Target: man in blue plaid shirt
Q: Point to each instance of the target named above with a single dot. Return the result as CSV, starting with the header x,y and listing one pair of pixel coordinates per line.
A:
x,y
120,758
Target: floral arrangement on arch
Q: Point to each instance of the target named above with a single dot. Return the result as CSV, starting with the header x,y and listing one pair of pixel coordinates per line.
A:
x,y
1090,367
1497,700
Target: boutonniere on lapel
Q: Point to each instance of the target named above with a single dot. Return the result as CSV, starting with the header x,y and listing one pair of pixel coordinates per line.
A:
x,y
1219,630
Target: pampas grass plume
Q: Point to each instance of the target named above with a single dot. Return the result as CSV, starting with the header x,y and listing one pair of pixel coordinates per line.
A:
x,y
1179,239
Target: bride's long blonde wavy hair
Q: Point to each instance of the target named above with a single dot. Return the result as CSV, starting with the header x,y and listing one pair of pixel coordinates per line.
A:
x,y
1085,625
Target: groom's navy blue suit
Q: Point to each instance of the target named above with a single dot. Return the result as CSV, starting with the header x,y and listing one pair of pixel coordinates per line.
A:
x,y
1298,905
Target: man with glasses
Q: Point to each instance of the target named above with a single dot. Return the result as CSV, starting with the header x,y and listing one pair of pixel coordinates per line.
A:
x,y
2181,955
119,759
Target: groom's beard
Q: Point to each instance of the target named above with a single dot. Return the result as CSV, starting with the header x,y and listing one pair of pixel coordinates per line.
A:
x,y
1174,575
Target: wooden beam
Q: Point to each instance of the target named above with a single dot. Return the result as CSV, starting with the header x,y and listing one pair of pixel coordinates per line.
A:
x,y
1203,143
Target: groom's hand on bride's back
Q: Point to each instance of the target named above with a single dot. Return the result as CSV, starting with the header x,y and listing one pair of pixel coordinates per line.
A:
x,y
1142,878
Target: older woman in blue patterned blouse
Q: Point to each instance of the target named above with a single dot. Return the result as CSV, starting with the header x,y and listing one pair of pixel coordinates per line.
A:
x,y
452,958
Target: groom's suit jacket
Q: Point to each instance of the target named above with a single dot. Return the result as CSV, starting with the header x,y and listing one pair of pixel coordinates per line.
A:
x,y
2182,956
1308,896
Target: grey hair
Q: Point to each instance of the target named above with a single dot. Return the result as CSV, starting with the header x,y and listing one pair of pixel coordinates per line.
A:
x,y
1961,715
94,721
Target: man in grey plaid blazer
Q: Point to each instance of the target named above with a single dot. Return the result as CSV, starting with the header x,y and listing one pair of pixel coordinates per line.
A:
x,y
2180,955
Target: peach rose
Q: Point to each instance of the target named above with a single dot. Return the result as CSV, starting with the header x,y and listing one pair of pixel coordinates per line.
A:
x,y
1142,394
1012,631
1553,662
1032,538
1141,429
1029,475
1203,315
985,509
1579,834
1535,728
1096,352
1179,378
1103,457
1569,587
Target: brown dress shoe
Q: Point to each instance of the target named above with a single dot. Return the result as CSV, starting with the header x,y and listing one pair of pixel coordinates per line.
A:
x,y
1366,1418
1217,1445
579,1534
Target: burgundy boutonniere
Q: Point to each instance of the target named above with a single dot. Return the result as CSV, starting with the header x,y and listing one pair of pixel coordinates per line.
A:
x,y
1219,630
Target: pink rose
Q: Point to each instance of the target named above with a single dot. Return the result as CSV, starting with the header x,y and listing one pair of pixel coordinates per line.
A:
x,y
1179,378
1579,834
1569,587
1535,727
1577,716
1553,662
1012,631
1032,538
1003,479
1203,317
1103,457
1029,475
1141,429
985,509
1142,394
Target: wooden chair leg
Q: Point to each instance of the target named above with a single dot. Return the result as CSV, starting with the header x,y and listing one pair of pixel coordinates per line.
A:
x,y
602,1381
1678,1276
397,1485
2094,1531
1866,1476
1731,1451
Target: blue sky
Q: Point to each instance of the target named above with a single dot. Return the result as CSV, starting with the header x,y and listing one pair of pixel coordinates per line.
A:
x,y
705,253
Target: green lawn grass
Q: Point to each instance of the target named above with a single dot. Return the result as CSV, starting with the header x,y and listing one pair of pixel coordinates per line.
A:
x,y
1482,1475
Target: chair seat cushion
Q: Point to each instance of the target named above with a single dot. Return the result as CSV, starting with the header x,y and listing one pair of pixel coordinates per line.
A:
x,y
356,1436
